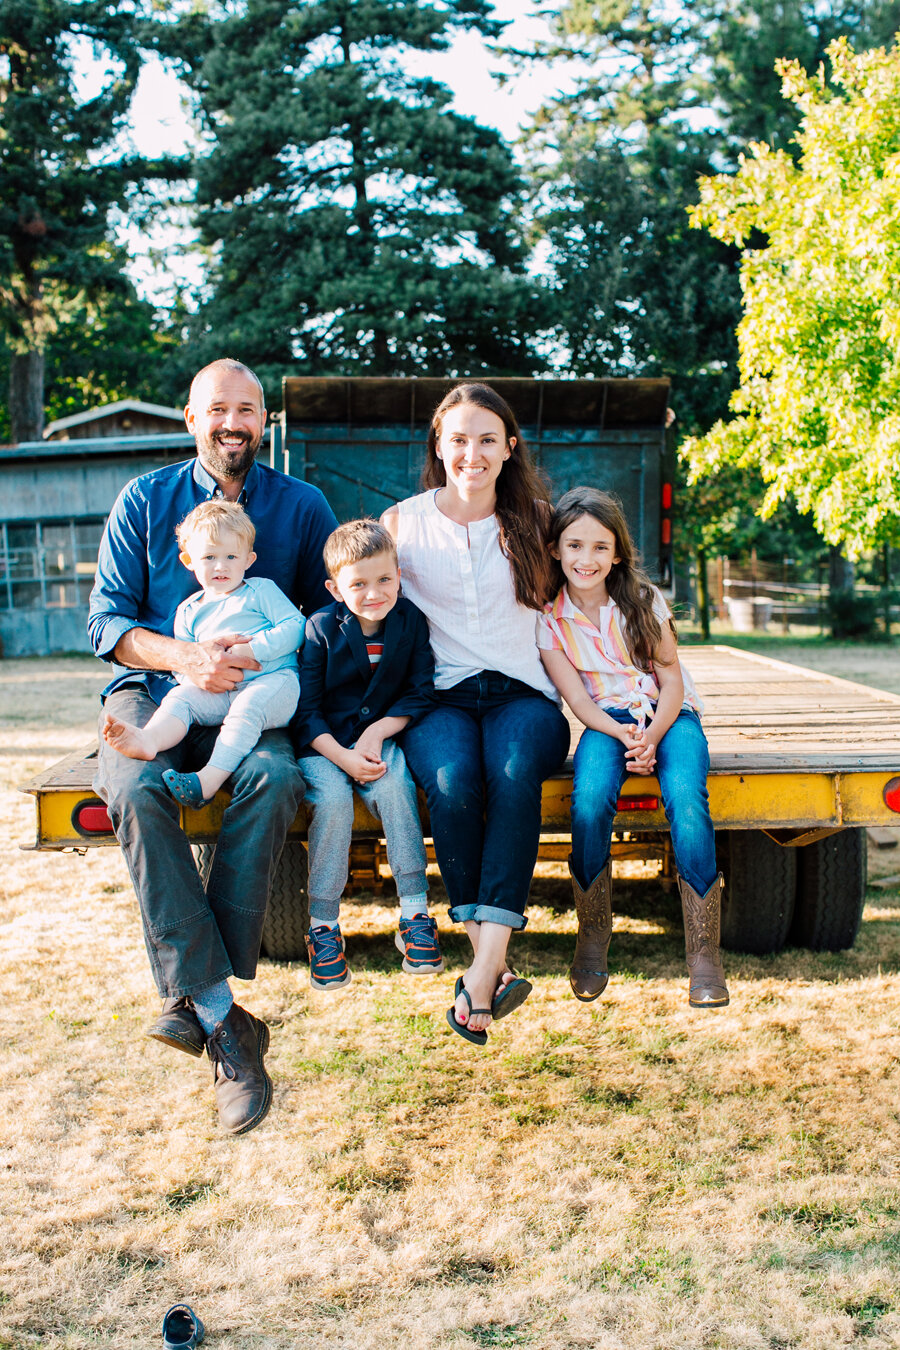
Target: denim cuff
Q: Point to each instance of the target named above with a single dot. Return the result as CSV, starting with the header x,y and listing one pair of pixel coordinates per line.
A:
x,y
486,914
182,991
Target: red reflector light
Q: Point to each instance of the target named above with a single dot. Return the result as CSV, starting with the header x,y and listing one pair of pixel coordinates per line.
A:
x,y
891,794
92,818
637,804
666,532
667,496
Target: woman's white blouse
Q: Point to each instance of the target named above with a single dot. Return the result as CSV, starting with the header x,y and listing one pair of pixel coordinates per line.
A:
x,y
460,579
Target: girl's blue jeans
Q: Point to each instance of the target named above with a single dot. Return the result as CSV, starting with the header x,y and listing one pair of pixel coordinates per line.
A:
x,y
481,757
682,764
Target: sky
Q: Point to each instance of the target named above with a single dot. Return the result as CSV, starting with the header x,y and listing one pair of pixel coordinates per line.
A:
x,y
160,124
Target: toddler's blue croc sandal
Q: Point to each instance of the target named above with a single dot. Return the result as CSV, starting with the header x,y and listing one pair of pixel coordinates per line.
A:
x,y
461,1029
181,1328
185,788
510,997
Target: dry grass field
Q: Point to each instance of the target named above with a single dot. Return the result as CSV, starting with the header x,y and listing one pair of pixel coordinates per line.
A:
x,y
628,1175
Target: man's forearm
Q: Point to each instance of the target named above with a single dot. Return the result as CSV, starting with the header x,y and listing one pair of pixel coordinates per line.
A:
x,y
142,649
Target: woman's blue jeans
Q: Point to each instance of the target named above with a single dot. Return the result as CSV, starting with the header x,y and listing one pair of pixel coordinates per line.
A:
x,y
481,757
682,764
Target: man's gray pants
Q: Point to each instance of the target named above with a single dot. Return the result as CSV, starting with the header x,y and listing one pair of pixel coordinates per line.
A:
x,y
197,937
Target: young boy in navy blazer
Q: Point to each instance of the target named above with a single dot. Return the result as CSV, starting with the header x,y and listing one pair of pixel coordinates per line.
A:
x,y
366,672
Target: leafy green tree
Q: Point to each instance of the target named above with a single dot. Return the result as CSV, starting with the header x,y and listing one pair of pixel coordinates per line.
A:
x,y
100,348
667,94
357,223
741,42
817,407
61,172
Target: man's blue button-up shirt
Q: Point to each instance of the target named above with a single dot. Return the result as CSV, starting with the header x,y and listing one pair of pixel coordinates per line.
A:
x,y
141,581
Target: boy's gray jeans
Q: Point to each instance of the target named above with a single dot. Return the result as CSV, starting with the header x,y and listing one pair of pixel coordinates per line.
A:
x,y
197,937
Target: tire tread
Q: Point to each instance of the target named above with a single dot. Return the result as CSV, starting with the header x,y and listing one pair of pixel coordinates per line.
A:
x,y
760,884
831,891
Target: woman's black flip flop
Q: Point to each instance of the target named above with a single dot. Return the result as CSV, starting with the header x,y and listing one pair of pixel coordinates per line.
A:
x,y
510,997
461,1029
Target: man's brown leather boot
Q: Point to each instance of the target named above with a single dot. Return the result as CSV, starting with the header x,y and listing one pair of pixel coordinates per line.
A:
x,y
702,928
243,1088
588,975
179,1026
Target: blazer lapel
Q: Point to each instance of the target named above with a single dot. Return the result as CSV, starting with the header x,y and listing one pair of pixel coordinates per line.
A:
x,y
392,637
357,644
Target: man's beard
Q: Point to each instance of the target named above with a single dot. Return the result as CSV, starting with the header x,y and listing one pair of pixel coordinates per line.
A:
x,y
228,463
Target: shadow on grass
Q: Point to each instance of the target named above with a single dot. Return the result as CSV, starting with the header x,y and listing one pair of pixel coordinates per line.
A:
x,y
543,949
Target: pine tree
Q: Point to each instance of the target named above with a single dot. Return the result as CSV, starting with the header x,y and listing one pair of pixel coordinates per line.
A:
x,y
357,223
99,348
742,40
670,93
614,166
60,173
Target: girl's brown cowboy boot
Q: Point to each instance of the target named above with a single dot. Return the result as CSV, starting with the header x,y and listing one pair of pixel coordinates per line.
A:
x,y
588,975
702,927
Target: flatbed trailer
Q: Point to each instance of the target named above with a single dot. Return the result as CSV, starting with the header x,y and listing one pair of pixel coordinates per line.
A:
x,y
801,765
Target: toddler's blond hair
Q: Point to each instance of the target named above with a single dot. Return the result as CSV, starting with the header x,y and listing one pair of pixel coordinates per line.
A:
x,y
215,518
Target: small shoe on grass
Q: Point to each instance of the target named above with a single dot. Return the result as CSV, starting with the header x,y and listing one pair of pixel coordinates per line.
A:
x,y
328,967
418,941
179,1026
181,1328
185,788
243,1089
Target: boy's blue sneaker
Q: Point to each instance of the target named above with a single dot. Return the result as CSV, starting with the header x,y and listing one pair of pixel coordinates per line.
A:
x,y
328,967
418,941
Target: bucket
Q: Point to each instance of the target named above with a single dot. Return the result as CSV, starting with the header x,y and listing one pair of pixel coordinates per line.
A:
x,y
751,614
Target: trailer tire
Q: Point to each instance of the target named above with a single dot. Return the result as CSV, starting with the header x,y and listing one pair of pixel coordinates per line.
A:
x,y
760,886
831,891
287,915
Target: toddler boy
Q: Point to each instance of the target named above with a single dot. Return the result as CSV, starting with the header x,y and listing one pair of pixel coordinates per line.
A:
x,y
254,619
366,673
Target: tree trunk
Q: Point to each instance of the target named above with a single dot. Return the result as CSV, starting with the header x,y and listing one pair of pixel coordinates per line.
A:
x,y
848,614
841,572
887,592
702,594
26,396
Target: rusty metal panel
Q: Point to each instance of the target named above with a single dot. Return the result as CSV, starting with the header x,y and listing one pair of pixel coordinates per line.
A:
x,y
376,401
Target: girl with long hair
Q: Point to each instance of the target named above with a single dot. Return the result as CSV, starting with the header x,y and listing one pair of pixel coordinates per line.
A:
x,y
608,643
473,558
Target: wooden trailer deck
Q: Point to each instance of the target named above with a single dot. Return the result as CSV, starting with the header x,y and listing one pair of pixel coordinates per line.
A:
x,y
764,715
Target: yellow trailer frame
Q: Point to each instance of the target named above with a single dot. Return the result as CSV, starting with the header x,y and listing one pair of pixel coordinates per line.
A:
x,y
796,757
793,752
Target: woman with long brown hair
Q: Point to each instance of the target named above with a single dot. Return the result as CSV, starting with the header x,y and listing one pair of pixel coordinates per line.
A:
x,y
473,558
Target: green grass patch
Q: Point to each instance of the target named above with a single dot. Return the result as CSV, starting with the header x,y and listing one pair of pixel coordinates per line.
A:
x,y
494,1334
187,1194
866,1312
